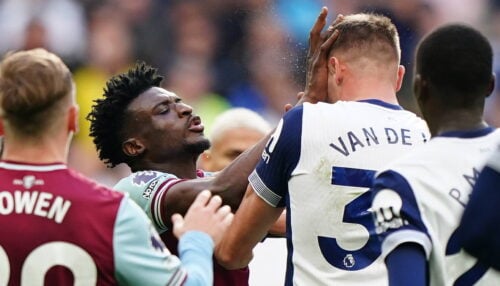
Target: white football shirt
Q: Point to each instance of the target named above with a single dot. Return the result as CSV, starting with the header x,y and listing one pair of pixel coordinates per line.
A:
x,y
421,198
319,164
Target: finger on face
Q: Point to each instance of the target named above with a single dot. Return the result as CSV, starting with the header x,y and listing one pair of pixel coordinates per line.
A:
x,y
320,22
326,46
339,19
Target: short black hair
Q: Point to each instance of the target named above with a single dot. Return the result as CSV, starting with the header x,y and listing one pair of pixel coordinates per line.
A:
x,y
458,61
107,118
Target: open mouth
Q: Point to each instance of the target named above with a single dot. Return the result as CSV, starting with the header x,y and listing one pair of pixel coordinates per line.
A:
x,y
195,125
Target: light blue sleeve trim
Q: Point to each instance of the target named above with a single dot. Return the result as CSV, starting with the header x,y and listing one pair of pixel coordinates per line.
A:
x,y
196,252
140,256
395,239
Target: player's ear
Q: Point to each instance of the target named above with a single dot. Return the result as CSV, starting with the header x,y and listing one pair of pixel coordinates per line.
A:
x,y
420,89
400,75
73,119
491,86
133,147
335,69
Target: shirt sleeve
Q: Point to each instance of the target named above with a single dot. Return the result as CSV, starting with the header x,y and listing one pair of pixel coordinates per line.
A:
x,y
479,226
141,258
279,158
407,266
396,213
147,189
196,252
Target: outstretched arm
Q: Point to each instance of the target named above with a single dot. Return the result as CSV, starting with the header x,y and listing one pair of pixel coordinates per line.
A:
x,y
231,182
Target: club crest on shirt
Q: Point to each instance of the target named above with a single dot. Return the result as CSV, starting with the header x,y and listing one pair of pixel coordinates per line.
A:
x,y
156,242
28,181
142,177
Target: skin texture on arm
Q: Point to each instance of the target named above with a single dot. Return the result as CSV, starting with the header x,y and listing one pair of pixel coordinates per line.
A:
x,y
230,183
278,229
251,223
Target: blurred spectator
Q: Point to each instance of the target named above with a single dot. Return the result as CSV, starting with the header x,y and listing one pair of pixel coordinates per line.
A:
x,y
270,83
216,53
109,52
492,107
190,66
192,80
58,25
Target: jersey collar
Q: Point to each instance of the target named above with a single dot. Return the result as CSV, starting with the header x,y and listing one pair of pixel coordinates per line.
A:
x,y
382,103
468,133
18,166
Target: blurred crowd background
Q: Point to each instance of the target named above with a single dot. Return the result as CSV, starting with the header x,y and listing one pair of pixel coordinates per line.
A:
x,y
215,54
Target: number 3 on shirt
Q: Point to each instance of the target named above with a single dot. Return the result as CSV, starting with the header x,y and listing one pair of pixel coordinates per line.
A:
x,y
355,212
44,257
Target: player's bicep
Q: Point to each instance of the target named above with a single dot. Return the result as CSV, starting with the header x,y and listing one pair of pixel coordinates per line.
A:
x,y
178,197
279,159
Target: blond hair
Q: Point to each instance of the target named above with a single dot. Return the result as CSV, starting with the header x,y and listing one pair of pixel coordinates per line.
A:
x,y
368,35
32,86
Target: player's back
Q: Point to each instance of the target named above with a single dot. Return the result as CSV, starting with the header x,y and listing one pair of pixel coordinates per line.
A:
x,y
57,227
434,187
331,229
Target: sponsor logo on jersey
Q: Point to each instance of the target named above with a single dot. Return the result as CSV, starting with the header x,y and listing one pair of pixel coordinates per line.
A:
x,y
156,242
149,190
387,206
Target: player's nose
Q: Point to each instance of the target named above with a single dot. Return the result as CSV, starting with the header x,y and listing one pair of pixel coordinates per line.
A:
x,y
183,109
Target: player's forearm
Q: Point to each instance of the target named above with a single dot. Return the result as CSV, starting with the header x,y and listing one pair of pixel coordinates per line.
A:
x,y
195,251
250,225
231,183
278,229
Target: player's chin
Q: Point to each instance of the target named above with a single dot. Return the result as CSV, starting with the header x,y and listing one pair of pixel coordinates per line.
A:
x,y
199,145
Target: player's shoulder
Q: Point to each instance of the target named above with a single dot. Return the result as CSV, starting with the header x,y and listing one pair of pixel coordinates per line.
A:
x,y
92,189
142,178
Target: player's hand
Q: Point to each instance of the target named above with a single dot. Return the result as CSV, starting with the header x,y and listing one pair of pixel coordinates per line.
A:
x,y
206,215
316,88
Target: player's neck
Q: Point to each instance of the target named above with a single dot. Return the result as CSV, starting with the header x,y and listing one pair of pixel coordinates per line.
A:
x,y
455,120
37,152
366,88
